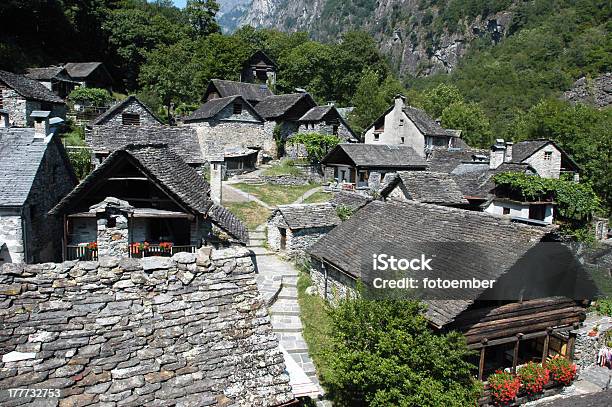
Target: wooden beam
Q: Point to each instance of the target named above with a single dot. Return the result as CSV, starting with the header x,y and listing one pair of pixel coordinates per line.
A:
x,y
482,359
515,353
128,179
571,343
545,348
501,341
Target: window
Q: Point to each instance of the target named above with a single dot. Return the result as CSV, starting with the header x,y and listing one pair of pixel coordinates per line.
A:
x,y
335,129
548,155
47,107
506,211
130,119
1,100
401,140
376,137
401,122
237,108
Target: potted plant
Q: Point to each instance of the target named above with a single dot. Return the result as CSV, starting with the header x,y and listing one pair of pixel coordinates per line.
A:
x,y
165,246
561,370
503,387
593,332
533,377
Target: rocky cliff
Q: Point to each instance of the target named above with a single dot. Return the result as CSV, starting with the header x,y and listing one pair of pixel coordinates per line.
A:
x,y
421,37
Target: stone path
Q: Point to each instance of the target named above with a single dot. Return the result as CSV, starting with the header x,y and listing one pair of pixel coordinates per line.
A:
x,y
307,194
233,194
277,281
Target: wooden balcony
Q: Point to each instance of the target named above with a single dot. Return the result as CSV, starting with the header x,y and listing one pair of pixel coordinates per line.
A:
x,y
81,252
87,253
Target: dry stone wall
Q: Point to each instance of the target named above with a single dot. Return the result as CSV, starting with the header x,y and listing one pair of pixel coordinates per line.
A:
x,y
187,330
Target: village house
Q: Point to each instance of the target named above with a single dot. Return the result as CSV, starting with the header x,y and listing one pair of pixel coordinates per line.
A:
x,y
20,96
292,229
406,125
35,174
423,186
231,126
327,120
282,113
251,92
349,199
363,166
54,78
259,68
90,74
162,206
128,112
465,245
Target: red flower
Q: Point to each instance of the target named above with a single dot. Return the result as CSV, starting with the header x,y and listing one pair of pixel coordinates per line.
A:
x,y
504,387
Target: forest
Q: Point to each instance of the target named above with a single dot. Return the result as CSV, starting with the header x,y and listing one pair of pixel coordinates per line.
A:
x,y
508,89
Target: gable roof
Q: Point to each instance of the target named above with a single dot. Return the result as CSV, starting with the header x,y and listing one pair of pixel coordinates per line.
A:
x,y
81,70
117,107
172,174
352,200
476,180
495,245
301,216
426,186
277,106
29,88
211,108
316,114
249,91
525,149
376,156
182,140
260,55
447,159
48,73
425,123
20,159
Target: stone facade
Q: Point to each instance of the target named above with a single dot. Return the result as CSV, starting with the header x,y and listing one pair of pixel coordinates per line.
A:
x,y
342,131
297,240
546,161
20,109
11,236
331,284
186,330
132,107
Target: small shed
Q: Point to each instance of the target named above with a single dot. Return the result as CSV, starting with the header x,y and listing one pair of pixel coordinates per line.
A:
x,y
294,228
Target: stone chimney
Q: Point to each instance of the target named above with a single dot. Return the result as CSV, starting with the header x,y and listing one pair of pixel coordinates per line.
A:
x,y
113,233
41,123
216,178
508,156
4,119
498,153
400,101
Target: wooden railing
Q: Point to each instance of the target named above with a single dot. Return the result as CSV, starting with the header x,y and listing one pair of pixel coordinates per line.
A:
x,y
75,252
156,250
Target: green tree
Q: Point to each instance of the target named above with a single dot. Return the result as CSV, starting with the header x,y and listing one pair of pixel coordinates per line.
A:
x,y
202,14
219,56
368,101
471,119
384,354
439,98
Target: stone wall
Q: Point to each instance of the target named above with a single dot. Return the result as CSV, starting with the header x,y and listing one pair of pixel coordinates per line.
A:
x,y
133,107
113,236
15,105
290,180
546,168
336,286
11,236
587,347
186,330
57,109
328,128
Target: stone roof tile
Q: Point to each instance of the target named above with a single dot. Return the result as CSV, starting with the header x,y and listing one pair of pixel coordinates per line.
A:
x,y
302,216
29,88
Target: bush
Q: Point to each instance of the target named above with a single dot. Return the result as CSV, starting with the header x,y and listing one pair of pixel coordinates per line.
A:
x,y
504,386
561,370
344,212
317,145
533,377
603,306
90,96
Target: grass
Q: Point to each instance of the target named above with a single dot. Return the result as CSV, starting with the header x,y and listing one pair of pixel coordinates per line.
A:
x,y
317,325
319,196
285,167
251,213
275,195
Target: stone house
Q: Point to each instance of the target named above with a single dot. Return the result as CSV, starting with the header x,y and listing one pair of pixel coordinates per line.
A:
x,y
530,273
90,74
406,125
292,229
259,68
251,92
35,174
232,124
54,78
20,96
127,112
437,188
157,198
189,330
182,140
282,113
363,166
327,120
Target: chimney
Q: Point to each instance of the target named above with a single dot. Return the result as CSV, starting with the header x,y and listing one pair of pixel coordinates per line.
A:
x,y
400,101
41,123
216,178
498,152
4,119
508,157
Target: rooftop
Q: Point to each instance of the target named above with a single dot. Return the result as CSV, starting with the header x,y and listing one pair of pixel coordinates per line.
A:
x,y
427,187
117,107
211,108
81,70
302,216
375,155
249,91
278,105
29,88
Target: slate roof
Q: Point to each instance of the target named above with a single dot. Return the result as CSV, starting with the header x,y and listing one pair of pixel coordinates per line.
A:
x,y
120,105
524,149
277,106
496,244
260,55
428,187
425,123
446,160
81,70
29,88
211,108
316,114
351,199
48,73
249,91
302,216
476,180
377,155
20,159
172,174
182,140
598,399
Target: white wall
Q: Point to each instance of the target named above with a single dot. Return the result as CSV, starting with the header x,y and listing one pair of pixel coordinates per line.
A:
x,y
517,210
11,235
